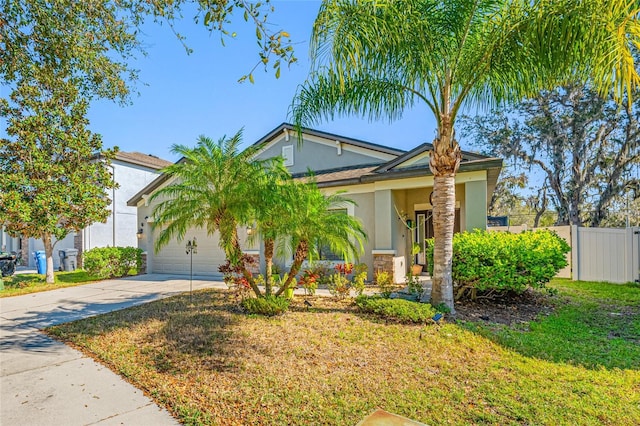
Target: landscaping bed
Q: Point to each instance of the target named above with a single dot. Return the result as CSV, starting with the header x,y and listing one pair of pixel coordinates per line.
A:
x,y
514,309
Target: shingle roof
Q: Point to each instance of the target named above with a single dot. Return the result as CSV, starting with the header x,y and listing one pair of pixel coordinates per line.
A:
x,y
341,175
146,160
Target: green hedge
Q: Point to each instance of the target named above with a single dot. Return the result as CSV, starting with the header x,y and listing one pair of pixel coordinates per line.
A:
x,y
501,261
109,262
396,309
267,305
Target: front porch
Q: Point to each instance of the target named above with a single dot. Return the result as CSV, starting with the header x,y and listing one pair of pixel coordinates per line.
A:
x,y
404,216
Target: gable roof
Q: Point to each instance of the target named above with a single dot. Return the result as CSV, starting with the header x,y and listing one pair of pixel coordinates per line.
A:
x,y
290,128
422,149
365,173
144,160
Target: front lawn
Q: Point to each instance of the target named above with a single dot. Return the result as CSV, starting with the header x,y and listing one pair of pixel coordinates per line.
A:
x,y
594,324
329,364
32,283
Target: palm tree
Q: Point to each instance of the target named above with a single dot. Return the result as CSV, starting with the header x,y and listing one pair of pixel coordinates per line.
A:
x,y
379,57
273,214
317,220
214,188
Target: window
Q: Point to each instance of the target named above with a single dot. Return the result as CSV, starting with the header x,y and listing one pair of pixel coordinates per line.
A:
x,y
287,154
324,251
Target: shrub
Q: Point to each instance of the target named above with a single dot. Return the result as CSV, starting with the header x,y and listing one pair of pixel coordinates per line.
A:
x,y
233,275
360,278
309,281
396,309
109,262
384,282
502,262
339,285
324,272
267,305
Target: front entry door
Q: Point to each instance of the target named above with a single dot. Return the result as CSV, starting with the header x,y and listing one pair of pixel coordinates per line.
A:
x,y
424,230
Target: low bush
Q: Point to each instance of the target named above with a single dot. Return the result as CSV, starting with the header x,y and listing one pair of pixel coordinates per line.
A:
x,y
309,281
267,305
359,281
384,281
109,262
501,262
396,309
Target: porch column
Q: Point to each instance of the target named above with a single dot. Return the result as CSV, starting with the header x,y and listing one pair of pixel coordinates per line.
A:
x,y
475,205
385,220
384,233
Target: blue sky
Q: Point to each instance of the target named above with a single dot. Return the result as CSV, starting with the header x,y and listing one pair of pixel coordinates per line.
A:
x,y
183,96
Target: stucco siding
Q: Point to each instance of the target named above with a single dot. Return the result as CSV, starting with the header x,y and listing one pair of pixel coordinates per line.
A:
x,y
364,210
131,179
318,156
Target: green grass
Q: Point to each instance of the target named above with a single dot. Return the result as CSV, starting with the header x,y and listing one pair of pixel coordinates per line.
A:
x,y
329,364
594,324
32,283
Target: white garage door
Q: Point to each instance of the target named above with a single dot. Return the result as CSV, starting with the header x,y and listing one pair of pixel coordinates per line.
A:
x,y
172,259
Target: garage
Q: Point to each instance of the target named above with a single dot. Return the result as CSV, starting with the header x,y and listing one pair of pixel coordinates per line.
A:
x,y
173,259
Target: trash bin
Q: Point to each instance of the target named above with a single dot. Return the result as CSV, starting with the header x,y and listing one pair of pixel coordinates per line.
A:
x,y
68,259
41,261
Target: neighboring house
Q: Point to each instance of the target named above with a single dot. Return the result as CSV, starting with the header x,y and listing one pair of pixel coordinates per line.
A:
x,y
385,183
132,171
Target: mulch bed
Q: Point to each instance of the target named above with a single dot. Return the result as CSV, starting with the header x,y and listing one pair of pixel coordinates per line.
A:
x,y
508,310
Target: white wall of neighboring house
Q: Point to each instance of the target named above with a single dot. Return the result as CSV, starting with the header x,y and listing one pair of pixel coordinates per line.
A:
x,y
8,243
122,224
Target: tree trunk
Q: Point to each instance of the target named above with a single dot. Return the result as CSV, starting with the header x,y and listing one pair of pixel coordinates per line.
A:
x,y
48,251
444,200
237,254
268,259
300,255
444,162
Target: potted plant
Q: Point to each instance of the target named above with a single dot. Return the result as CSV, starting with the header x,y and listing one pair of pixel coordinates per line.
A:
x,y
415,268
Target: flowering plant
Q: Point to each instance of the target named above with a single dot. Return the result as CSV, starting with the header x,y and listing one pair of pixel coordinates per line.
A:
x,y
344,268
233,275
309,281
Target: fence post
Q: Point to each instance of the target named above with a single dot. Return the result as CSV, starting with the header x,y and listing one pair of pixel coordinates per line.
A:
x,y
635,254
575,255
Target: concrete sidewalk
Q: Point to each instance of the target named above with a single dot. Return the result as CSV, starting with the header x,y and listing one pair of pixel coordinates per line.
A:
x,y
44,382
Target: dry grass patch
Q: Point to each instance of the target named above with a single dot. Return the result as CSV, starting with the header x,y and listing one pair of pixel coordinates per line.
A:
x,y
210,364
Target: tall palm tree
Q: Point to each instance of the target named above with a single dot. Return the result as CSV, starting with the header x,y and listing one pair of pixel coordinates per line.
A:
x,y
215,189
379,57
317,220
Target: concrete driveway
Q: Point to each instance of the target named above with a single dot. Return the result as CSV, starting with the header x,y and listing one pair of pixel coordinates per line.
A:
x,y
44,382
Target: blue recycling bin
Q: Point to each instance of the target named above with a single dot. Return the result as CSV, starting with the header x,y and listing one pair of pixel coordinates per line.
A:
x,y
41,261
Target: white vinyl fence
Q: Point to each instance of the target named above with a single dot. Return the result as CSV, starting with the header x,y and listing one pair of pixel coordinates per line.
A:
x,y
597,254
606,254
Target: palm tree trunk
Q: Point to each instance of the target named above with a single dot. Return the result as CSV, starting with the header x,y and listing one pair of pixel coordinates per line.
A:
x,y
444,199
268,258
48,251
301,254
237,256
444,162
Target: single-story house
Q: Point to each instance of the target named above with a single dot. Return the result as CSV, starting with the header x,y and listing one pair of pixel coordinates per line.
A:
x,y
132,171
387,184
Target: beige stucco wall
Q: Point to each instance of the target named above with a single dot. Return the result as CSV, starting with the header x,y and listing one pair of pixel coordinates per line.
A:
x,y
364,210
320,154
